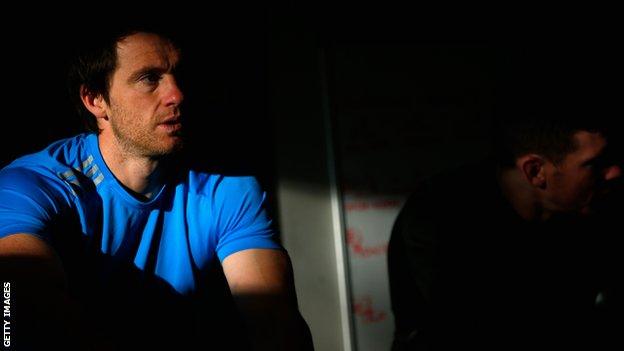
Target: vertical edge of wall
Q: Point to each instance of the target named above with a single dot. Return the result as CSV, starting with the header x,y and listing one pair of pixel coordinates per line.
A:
x,y
342,267
307,207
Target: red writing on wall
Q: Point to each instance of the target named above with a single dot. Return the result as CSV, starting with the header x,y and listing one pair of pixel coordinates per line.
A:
x,y
363,308
355,241
376,204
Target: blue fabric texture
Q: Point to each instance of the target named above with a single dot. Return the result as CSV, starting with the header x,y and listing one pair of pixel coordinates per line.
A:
x,y
178,231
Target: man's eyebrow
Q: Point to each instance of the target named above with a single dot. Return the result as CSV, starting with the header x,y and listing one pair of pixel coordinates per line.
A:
x,y
145,71
592,159
606,155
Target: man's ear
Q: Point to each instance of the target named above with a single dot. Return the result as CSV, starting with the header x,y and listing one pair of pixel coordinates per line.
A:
x,y
532,167
93,102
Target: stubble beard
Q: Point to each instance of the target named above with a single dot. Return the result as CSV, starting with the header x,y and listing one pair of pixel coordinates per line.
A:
x,y
142,140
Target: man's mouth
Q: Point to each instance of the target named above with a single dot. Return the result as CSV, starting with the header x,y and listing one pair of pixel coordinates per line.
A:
x,y
172,120
171,124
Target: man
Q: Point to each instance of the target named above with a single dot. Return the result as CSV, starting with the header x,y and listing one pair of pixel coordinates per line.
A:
x,y
108,238
511,253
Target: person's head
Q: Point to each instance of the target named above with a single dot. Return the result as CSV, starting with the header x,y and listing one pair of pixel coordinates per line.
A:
x,y
567,154
126,89
557,126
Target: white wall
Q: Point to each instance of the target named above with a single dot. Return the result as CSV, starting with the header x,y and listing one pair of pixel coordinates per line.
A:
x,y
309,215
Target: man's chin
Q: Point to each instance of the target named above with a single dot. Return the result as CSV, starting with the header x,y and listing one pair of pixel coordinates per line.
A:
x,y
174,141
172,147
176,146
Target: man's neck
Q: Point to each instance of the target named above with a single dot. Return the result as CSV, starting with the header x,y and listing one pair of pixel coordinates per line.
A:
x,y
141,175
521,195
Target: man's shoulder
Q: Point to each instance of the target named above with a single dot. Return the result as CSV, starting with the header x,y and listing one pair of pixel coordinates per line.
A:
x,y
458,187
208,183
59,155
51,168
27,181
30,196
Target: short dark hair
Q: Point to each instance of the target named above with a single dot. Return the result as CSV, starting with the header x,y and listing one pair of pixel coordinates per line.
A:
x,y
543,103
95,60
545,130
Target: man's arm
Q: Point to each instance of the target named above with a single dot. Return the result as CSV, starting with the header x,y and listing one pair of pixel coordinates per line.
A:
x,y
261,282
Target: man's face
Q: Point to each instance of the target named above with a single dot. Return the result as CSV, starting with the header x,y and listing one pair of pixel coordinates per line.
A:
x,y
583,177
144,98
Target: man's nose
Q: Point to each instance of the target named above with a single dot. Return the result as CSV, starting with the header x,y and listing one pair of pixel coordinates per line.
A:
x,y
174,95
613,172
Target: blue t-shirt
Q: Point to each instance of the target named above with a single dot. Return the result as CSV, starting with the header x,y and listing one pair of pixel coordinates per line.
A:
x,y
173,236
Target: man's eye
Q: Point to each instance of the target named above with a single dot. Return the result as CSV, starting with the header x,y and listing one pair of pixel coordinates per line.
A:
x,y
595,164
151,78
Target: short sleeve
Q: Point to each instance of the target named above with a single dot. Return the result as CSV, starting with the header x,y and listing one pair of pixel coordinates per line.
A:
x,y
241,218
29,201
